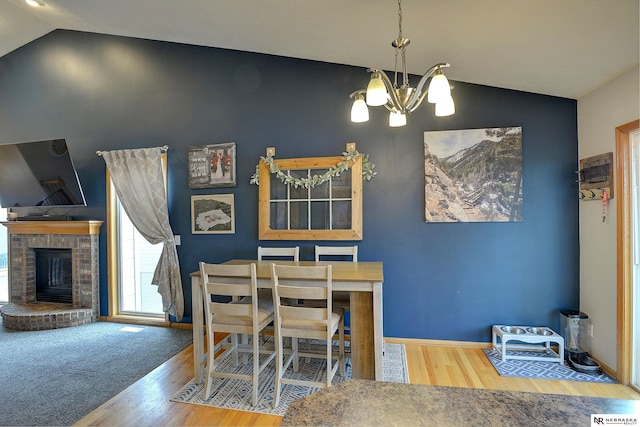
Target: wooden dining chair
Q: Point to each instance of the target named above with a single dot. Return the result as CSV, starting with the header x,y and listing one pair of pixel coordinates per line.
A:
x,y
280,253
340,299
319,322
274,253
243,313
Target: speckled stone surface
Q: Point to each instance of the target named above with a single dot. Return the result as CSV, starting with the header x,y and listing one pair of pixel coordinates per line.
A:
x,y
375,403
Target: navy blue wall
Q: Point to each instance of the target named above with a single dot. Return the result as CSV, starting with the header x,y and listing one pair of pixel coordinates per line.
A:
x,y
442,281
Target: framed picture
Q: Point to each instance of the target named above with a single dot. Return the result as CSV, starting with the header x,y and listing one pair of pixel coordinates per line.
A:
x,y
212,214
212,165
473,175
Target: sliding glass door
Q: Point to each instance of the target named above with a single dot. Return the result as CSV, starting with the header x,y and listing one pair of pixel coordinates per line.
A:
x,y
137,262
131,263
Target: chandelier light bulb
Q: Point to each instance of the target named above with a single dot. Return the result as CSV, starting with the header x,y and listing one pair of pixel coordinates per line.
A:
x,y
359,110
376,91
445,107
397,119
439,88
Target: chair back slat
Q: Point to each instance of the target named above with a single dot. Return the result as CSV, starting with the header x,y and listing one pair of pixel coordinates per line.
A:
x,y
303,313
316,283
303,273
226,270
280,253
230,309
229,289
302,292
333,251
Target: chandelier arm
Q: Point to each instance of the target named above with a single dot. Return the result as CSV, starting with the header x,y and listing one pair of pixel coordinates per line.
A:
x,y
417,94
390,107
412,107
355,93
394,101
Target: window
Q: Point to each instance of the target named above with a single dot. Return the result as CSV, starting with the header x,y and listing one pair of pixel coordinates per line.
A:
x,y
329,211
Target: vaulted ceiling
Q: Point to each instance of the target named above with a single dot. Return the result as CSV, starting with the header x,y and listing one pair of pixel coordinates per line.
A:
x,y
563,48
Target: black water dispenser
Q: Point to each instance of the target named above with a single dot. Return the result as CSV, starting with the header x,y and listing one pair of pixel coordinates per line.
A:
x,y
574,326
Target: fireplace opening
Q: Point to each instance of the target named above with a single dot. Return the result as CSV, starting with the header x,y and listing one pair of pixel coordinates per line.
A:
x,y
54,275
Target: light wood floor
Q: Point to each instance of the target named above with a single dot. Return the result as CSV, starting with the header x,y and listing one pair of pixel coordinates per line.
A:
x,y
146,403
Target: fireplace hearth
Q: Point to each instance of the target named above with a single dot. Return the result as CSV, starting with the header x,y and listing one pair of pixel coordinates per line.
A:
x,y
63,256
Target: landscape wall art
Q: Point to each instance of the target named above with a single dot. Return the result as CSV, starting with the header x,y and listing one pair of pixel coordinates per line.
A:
x,y
473,175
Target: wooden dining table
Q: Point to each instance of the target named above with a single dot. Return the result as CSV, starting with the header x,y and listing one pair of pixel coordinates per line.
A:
x,y
363,281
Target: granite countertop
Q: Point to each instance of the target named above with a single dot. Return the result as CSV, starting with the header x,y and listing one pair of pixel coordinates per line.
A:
x,y
375,403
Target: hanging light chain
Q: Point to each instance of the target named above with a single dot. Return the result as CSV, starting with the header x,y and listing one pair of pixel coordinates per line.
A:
x,y
395,72
399,19
405,75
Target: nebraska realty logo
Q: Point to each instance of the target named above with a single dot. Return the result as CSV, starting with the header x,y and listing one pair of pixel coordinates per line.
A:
x,y
613,419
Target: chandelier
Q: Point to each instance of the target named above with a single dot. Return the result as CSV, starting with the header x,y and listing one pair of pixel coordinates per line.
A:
x,y
402,99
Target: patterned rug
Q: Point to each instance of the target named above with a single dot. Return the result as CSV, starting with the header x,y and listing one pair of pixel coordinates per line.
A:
x,y
236,394
542,370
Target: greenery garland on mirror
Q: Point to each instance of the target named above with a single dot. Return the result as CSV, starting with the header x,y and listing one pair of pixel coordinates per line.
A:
x,y
312,181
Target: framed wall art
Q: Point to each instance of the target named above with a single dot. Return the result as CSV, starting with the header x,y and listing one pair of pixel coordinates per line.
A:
x,y
212,214
212,165
473,175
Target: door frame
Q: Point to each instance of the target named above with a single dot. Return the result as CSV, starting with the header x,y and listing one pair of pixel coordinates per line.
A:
x,y
624,251
113,268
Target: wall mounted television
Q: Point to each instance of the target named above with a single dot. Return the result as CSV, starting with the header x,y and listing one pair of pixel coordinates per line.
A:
x,y
39,173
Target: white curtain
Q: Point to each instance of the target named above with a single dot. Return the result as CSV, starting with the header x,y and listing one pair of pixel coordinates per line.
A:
x,y
137,176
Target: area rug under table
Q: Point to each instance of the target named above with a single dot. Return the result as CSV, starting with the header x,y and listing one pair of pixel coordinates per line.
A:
x,y
236,394
539,369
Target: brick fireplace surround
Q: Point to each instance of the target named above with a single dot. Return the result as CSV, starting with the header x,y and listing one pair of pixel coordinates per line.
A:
x,y
24,313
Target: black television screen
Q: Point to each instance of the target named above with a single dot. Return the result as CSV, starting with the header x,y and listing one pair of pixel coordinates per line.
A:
x,y
38,174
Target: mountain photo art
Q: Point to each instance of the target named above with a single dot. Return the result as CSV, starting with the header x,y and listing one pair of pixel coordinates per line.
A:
x,y
473,175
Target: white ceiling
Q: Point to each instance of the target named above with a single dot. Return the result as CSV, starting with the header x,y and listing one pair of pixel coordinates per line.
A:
x,y
564,48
